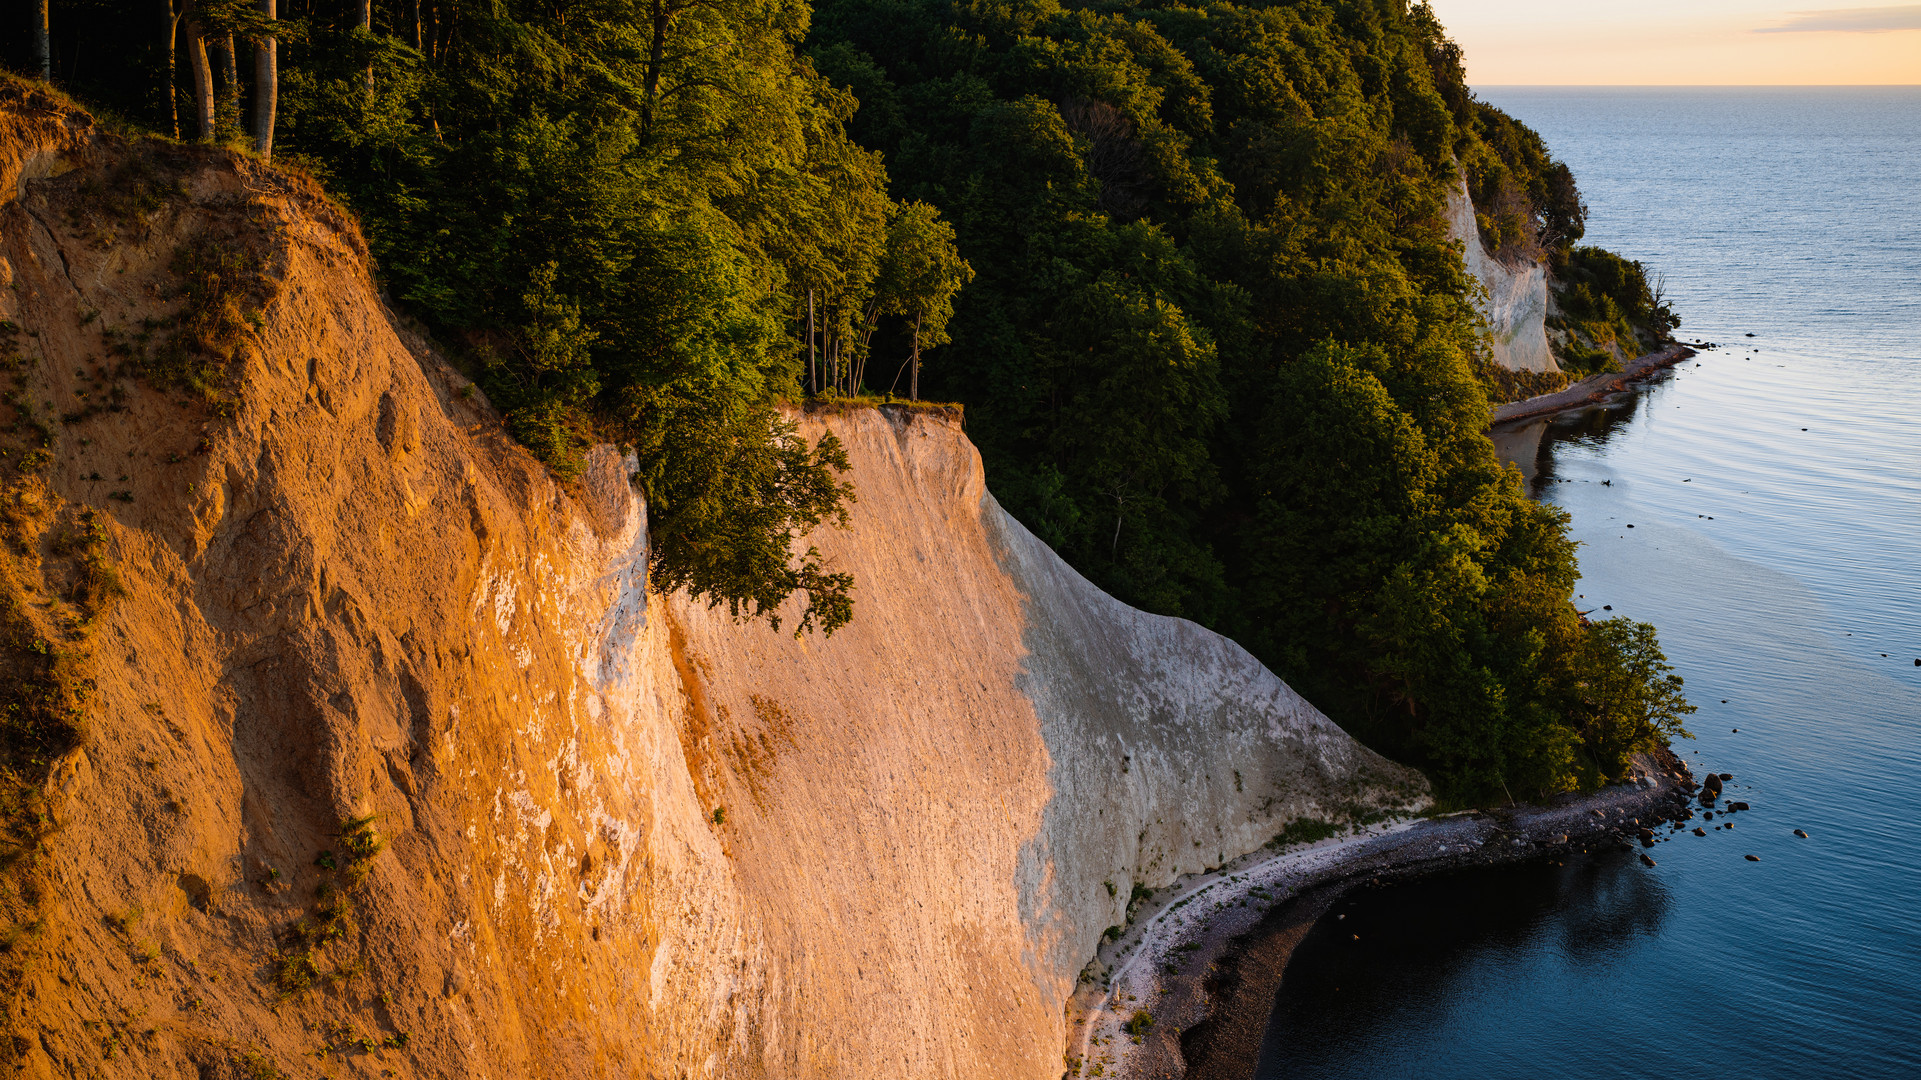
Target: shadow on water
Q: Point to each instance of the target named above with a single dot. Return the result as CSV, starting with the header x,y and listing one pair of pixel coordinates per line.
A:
x,y
1531,447
1399,958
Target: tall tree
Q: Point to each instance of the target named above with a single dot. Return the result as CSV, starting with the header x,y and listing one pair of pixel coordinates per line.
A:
x,y
266,81
920,275
367,27
42,41
169,89
202,75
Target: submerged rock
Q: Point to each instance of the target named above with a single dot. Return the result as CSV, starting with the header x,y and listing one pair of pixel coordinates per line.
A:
x,y
1801,834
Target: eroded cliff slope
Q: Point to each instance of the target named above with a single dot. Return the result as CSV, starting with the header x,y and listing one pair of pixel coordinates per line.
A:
x,y
392,762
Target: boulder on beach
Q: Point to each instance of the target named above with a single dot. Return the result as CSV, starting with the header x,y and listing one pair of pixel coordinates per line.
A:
x,y
1712,783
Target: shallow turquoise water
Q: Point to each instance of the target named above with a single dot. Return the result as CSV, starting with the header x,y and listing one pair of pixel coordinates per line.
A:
x,y
1780,565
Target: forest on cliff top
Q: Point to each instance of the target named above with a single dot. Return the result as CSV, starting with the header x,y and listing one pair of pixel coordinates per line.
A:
x,y
1184,264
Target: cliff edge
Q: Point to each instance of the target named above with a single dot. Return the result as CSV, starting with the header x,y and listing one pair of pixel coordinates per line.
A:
x,y
388,762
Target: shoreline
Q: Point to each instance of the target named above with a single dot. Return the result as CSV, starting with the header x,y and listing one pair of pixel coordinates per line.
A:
x,y
1593,389
1205,957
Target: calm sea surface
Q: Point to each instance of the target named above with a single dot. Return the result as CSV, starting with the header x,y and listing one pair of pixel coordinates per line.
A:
x,y
1775,490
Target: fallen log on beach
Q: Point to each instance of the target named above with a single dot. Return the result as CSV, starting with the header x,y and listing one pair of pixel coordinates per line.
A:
x,y
1592,389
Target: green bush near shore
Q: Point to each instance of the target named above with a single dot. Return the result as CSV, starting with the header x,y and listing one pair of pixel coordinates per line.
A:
x,y
1303,831
1606,300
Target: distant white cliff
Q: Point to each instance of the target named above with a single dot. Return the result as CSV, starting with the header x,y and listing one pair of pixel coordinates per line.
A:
x,y
1515,300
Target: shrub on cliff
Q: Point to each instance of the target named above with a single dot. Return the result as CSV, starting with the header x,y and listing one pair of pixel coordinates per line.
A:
x,y
1605,298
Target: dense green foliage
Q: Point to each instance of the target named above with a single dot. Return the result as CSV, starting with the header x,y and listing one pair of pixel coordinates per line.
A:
x,y
1219,351
1605,301
617,214
1189,263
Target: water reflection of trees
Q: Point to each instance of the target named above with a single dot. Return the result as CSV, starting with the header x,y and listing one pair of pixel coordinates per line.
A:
x,y
1406,957
1590,429
1603,902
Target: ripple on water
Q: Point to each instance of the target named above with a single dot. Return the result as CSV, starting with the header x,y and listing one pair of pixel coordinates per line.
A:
x,y
1807,963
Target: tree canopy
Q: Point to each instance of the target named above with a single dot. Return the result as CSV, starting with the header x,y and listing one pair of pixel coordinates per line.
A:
x,y
1186,265
1219,350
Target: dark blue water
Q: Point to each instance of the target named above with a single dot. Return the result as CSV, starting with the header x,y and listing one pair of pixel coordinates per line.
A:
x,y
1780,565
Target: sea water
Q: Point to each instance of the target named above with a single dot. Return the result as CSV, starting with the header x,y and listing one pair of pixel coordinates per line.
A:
x,y
1774,489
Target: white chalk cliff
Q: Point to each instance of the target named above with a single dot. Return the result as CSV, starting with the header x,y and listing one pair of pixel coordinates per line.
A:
x,y
626,835
1513,299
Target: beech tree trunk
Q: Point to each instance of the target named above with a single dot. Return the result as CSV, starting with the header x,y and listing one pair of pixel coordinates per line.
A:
x,y
913,380
202,81
367,24
173,74
42,41
266,86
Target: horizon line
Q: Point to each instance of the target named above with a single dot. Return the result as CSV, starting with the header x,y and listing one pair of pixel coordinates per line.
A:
x,y
1699,86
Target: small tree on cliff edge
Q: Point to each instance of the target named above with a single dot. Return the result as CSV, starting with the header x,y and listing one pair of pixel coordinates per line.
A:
x,y
920,275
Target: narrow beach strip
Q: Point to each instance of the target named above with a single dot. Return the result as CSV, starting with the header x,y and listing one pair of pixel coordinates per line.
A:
x,y
1592,389
1186,990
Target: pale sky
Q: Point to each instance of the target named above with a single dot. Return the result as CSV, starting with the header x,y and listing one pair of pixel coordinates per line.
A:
x,y
1683,42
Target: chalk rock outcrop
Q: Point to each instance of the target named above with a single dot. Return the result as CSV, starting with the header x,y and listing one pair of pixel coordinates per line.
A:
x,y
1515,298
624,835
